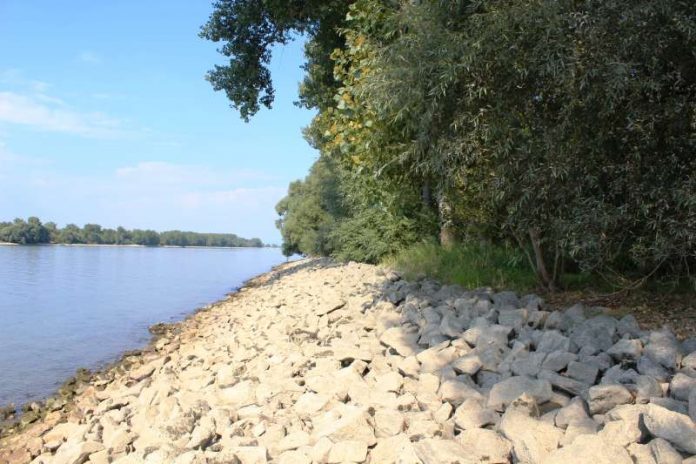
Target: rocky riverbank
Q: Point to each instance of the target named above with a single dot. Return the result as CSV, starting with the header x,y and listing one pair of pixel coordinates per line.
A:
x,y
329,363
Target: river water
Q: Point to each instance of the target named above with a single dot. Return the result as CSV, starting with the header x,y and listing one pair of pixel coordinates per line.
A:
x,y
62,308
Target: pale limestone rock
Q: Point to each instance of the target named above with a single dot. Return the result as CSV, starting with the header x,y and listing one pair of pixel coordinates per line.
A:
x,y
390,382
347,423
73,453
388,423
472,415
468,364
394,450
401,340
457,392
484,445
579,427
588,449
438,451
320,451
310,403
532,439
294,457
347,451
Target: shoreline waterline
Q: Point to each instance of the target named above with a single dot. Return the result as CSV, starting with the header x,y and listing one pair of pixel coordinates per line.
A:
x,y
34,409
69,307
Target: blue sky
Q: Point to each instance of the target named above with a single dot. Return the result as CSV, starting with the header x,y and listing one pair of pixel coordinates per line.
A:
x,y
105,116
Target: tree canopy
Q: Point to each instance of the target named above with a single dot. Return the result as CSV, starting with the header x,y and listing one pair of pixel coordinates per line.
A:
x,y
32,231
564,128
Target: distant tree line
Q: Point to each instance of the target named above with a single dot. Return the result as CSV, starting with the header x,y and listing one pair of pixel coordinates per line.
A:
x,y
566,129
33,231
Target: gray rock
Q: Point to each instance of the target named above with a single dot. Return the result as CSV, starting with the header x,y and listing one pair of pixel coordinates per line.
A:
x,y
589,449
678,429
647,366
556,320
681,385
576,313
689,361
494,335
602,361
598,331
617,375
486,379
564,383
628,326
646,387
491,356
670,403
689,345
626,349
506,299
558,360
451,326
483,445
529,364
583,372
602,398
664,349
515,318
506,391
692,405
553,340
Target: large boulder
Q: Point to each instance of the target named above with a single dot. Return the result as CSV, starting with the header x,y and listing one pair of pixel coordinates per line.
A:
x,y
678,429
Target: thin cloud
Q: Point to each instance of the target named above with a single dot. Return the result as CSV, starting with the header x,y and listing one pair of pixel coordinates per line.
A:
x,y
89,57
49,114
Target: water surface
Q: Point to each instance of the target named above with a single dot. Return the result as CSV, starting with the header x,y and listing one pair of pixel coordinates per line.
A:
x,y
62,307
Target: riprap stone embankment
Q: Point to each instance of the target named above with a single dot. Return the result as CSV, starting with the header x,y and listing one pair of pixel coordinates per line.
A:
x,y
326,363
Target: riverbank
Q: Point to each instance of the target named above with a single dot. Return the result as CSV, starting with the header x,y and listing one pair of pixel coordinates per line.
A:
x,y
326,363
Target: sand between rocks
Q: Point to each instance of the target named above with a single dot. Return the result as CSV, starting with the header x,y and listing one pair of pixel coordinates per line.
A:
x,y
327,363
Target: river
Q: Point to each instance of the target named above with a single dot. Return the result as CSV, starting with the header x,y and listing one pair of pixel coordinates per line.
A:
x,y
66,307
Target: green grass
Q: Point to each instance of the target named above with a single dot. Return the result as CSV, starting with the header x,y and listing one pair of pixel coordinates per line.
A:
x,y
470,265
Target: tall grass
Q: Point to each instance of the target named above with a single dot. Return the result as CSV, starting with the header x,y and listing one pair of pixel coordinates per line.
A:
x,y
470,265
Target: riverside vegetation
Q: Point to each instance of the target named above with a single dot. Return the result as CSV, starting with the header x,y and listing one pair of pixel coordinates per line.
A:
x,y
33,231
348,363
562,132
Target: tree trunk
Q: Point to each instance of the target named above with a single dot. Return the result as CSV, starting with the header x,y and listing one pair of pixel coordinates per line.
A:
x,y
542,272
447,232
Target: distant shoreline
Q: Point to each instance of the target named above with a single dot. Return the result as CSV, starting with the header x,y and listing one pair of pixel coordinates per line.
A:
x,y
127,245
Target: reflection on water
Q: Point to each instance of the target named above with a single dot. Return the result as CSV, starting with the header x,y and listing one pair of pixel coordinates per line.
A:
x,y
62,308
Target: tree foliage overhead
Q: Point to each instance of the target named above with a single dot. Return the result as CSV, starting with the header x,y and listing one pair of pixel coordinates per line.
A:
x,y
32,231
249,28
566,128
